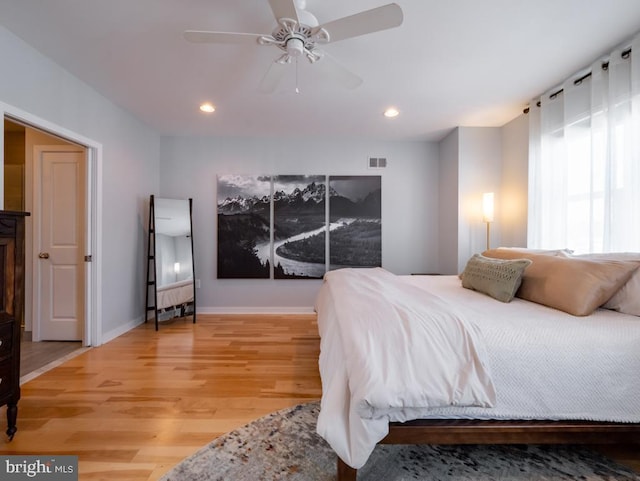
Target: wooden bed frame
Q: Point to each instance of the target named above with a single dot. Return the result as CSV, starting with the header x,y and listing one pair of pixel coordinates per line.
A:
x,y
502,432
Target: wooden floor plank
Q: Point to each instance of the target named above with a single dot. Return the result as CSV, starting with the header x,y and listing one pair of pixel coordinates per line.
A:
x,y
134,407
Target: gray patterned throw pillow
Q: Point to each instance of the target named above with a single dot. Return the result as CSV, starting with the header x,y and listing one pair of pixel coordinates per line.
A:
x,y
498,278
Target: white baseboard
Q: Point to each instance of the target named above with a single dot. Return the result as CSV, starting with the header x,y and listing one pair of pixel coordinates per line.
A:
x,y
256,310
109,336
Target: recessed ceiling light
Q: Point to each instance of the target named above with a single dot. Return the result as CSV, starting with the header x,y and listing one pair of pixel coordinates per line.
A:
x,y
207,107
391,112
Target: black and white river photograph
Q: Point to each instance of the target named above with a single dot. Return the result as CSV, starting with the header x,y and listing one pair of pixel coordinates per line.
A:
x,y
299,225
355,213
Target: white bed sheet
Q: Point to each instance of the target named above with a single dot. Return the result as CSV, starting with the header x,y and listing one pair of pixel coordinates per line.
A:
x,y
544,364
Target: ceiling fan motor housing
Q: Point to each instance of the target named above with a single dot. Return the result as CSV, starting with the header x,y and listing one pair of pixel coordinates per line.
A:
x,y
297,39
294,46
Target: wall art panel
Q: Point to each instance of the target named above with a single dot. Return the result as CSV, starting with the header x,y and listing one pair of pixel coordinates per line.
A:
x,y
355,215
244,226
299,226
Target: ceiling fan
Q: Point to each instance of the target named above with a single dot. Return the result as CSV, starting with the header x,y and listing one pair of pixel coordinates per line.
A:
x,y
298,34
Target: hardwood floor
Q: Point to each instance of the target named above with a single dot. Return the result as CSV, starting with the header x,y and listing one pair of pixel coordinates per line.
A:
x,y
136,406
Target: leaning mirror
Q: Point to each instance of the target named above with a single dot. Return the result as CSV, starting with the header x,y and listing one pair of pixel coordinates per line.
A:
x,y
171,273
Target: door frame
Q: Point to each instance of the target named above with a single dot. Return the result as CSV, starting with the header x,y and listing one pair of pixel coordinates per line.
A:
x,y
92,335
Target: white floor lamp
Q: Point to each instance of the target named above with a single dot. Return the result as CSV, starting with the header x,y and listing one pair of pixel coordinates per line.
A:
x,y
487,213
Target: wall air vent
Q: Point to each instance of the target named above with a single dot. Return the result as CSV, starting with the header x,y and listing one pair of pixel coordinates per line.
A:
x,y
377,162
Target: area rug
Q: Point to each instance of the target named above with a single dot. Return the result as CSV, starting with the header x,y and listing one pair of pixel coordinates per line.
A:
x,y
285,446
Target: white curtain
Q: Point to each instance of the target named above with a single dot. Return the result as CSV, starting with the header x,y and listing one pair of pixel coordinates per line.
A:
x,y
584,159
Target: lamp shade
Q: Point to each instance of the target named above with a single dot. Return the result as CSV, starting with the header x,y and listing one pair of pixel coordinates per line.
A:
x,y
487,207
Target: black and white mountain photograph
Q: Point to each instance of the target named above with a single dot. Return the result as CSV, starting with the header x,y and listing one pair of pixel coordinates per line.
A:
x,y
244,226
355,216
299,224
247,249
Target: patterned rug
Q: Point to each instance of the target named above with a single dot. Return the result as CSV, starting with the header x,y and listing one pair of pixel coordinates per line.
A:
x,y
284,446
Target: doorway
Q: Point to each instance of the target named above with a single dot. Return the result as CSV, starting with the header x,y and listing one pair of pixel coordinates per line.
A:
x,y
27,184
20,124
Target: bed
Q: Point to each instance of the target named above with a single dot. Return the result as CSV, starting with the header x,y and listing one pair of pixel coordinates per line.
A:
x,y
420,359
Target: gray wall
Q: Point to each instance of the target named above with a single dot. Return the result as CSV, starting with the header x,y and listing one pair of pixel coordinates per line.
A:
x,y
32,83
475,160
515,175
480,164
410,204
448,215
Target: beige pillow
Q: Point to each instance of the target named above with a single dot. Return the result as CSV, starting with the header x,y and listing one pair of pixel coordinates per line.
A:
x,y
547,252
627,298
576,286
497,278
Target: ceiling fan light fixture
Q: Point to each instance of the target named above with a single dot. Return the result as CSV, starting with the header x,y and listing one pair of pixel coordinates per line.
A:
x,y
207,107
295,46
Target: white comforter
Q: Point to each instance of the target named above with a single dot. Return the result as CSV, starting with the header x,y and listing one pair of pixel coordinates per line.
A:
x,y
396,355
544,364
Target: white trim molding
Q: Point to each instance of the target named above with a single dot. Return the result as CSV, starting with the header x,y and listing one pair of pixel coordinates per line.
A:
x,y
256,310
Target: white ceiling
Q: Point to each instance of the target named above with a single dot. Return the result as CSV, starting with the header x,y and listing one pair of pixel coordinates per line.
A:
x,y
451,62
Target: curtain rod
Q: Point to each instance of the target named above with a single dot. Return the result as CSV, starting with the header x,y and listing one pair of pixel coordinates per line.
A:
x,y
605,66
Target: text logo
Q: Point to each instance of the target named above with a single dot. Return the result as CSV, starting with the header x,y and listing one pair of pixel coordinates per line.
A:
x,y
41,467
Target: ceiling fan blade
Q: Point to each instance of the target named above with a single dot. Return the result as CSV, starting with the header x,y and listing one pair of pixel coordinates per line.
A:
x,y
369,21
197,36
284,9
336,71
273,77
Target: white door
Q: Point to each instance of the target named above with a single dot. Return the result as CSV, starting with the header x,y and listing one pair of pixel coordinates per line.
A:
x,y
59,244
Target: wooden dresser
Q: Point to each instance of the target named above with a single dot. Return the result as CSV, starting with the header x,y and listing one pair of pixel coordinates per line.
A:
x,y
11,308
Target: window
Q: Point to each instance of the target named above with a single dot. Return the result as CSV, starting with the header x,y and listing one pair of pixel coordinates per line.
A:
x,y
584,161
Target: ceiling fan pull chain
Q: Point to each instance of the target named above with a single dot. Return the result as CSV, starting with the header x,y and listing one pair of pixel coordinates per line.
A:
x,y
297,89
